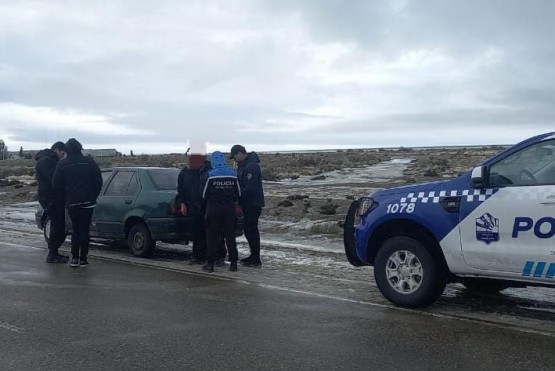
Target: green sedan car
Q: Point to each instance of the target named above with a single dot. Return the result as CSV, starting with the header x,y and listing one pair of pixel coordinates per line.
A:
x,y
137,204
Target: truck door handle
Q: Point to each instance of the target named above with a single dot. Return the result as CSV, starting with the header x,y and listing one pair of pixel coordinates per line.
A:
x,y
128,202
548,200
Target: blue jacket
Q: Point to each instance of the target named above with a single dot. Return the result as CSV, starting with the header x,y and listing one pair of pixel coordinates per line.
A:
x,y
250,180
222,185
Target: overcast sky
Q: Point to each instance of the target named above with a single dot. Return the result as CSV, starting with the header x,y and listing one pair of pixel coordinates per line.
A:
x,y
156,76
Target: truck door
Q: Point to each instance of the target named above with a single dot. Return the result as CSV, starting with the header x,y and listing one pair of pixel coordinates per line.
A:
x,y
512,230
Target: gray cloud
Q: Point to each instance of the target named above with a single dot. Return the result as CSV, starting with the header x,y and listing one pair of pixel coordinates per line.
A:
x,y
276,74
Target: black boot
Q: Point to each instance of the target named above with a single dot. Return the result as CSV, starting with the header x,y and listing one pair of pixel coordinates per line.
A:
x,y
208,267
74,263
56,258
233,267
247,259
254,262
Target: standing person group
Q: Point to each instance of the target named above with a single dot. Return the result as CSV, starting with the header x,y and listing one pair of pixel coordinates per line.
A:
x,y
208,192
51,202
67,179
77,180
214,210
190,185
252,199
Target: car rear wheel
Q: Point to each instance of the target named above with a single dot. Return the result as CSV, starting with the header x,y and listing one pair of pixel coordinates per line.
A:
x,y
140,242
407,274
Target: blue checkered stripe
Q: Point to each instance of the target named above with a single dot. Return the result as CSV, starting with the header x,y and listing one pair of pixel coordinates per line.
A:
x,y
537,269
468,195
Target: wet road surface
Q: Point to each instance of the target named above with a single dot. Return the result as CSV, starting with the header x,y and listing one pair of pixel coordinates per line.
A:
x,y
308,268
121,314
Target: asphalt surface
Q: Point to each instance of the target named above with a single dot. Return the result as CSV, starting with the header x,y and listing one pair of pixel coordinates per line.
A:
x,y
123,316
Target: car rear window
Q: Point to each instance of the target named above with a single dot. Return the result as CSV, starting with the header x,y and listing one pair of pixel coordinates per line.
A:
x,y
164,179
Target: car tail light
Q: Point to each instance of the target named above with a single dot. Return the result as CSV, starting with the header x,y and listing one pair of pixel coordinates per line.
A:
x,y
174,209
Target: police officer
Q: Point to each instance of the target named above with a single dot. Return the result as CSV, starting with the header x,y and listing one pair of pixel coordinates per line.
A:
x,y
52,203
79,179
221,193
252,199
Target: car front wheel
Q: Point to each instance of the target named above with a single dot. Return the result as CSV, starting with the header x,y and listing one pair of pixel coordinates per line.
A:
x,y
407,274
140,242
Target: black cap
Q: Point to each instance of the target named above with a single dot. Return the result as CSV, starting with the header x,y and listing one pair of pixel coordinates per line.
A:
x,y
237,149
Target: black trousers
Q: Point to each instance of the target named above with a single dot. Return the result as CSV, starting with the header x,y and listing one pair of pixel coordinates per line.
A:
x,y
199,240
251,214
81,220
199,237
57,215
220,221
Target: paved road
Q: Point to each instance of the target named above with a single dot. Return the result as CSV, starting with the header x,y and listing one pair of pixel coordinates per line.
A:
x,y
123,316
306,268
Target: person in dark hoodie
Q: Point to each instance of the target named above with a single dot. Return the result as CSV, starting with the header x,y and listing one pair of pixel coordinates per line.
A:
x,y
190,183
51,202
221,193
79,180
251,201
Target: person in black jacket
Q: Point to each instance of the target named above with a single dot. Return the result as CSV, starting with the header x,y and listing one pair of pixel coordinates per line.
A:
x,y
251,201
52,203
79,180
221,193
190,184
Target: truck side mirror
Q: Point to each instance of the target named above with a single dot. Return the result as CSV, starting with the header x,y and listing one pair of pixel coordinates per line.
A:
x,y
477,177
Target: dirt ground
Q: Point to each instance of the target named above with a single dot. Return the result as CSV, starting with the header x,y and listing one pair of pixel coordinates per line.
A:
x,y
305,211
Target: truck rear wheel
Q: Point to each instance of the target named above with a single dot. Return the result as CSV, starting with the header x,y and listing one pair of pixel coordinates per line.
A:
x,y
407,274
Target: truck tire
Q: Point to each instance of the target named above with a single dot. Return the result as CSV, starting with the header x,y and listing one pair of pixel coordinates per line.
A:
x,y
140,242
407,274
46,230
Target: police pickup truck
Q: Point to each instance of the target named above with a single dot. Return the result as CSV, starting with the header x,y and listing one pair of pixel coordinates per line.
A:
x,y
489,229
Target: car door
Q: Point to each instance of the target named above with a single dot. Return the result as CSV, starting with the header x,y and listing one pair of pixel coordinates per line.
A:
x,y
118,199
513,228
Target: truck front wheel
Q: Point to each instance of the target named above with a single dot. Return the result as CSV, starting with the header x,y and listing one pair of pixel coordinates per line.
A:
x,y
407,274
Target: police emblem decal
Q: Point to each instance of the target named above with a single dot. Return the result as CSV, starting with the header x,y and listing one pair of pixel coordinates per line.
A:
x,y
487,228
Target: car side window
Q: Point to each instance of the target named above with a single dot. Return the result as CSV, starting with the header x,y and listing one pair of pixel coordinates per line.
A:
x,y
105,175
533,165
133,187
118,185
